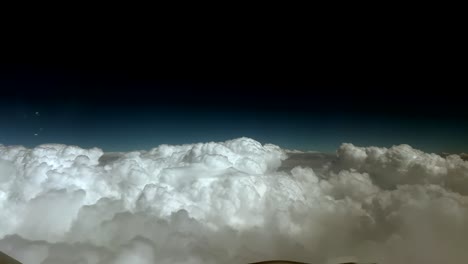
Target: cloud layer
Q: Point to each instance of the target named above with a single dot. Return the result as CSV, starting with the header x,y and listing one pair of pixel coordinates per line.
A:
x,y
231,202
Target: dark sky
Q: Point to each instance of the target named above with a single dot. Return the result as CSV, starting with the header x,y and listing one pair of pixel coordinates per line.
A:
x,y
139,100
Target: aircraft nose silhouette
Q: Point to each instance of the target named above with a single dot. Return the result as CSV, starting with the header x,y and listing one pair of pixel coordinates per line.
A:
x,y
5,259
295,262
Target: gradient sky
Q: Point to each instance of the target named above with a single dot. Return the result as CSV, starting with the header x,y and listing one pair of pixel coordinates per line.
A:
x,y
121,108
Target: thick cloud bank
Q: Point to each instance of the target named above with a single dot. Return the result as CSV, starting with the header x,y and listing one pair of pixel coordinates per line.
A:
x,y
230,202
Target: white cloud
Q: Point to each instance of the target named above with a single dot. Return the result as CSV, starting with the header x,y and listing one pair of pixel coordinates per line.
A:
x,y
404,165
228,203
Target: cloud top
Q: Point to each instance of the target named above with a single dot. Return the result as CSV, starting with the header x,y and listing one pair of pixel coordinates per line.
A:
x,y
231,202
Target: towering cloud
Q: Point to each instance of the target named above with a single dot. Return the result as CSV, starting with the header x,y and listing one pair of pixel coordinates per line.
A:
x,y
231,202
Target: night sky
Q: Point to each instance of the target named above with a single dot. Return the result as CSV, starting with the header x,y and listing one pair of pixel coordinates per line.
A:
x,y
129,104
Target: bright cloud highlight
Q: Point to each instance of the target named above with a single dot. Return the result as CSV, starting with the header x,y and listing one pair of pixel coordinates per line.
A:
x,y
230,202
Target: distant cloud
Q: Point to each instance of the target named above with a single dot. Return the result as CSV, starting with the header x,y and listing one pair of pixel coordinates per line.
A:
x,y
232,202
464,156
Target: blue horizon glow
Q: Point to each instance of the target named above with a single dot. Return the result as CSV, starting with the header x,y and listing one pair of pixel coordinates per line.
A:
x,y
123,130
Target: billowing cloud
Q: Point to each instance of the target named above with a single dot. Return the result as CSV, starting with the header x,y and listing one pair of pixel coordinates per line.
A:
x,y
231,202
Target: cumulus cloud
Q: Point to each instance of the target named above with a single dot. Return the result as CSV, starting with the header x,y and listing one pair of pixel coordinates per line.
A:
x,y
231,202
